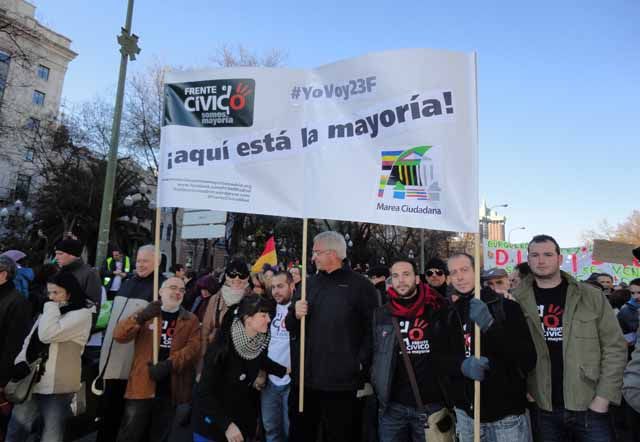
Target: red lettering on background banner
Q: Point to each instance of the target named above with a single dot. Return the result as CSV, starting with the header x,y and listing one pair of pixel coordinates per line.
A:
x,y
519,256
502,257
574,263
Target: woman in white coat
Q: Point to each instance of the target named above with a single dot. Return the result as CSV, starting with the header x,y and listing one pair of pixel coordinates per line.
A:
x,y
58,337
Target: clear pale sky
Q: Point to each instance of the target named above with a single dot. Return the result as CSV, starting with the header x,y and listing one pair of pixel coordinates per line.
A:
x,y
559,82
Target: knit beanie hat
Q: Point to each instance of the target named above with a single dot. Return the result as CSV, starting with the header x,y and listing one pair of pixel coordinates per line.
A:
x,y
437,263
71,246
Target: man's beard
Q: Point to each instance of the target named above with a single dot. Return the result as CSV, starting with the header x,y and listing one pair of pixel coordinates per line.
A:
x,y
410,294
171,305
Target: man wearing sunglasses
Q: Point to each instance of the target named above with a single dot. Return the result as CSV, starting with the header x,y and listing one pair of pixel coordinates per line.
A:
x,y
338,311
436,273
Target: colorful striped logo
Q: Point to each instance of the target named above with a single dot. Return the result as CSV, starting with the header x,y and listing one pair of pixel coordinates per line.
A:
x,y
404,176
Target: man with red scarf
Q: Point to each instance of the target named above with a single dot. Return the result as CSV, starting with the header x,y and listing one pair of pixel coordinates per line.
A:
x,y
435,347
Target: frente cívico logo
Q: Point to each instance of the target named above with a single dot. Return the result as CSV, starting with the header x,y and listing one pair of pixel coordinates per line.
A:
x,y
408,176
210,103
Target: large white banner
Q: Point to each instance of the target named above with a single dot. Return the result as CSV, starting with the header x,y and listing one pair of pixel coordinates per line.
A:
x,y
387,138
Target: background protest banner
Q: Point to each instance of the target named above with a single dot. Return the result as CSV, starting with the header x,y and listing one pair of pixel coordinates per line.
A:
x,y
387,138
577,260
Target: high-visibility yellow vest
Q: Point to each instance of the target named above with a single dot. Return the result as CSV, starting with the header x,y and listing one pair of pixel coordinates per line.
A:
x,y
127,269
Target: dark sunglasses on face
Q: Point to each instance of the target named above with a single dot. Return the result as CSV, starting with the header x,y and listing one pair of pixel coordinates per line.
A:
x,y
237,275
437,272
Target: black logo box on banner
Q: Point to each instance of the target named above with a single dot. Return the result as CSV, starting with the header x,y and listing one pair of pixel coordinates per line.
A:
x,y
211,103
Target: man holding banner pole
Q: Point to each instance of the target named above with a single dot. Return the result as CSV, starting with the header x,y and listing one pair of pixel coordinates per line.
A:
x,y
508,355
338,313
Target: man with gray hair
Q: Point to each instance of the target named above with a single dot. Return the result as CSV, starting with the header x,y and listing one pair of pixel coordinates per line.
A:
x,y
338,313
116,358
15,315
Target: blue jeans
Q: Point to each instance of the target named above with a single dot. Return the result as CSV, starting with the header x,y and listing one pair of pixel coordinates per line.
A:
x,y
54,409
274,401
561,425
401,423
514,428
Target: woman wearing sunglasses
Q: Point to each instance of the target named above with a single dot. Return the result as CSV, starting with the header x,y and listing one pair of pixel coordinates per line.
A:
x,y
236,285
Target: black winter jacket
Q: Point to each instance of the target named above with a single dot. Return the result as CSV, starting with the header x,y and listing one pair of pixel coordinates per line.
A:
x,y
628,318
447,347
225,393
15,324
338,331
511,353
136,287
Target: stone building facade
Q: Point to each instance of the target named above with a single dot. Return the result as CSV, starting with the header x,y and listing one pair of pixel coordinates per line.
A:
x,y
33,64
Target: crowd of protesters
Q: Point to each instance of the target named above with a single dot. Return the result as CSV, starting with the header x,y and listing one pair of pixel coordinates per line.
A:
x,y
389,351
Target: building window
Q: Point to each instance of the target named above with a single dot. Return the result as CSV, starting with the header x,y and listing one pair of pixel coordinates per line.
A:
x,y
33,124
23,183
43,72
38,98
5,59
29,153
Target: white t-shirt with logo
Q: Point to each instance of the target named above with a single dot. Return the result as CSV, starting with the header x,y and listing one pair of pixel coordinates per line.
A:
x,y
279,344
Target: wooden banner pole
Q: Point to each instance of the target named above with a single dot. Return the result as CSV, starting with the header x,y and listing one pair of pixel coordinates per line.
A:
x,y
156,283
476,396
303,297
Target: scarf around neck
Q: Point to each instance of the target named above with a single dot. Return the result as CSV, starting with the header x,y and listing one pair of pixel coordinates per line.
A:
x,y
414,307
230,296
248,348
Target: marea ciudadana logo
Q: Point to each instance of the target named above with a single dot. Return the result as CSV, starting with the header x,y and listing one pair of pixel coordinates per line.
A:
x,y
211,103
408,175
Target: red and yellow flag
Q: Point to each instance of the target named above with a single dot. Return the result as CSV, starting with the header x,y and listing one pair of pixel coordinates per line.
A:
x,y
268,256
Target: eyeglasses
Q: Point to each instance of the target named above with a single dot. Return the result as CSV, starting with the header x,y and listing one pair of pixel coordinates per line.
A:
x,y
319,252
232,275
175,288
435,272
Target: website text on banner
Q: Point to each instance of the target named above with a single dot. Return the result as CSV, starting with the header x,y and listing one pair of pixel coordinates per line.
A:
x,y
577,260
388,138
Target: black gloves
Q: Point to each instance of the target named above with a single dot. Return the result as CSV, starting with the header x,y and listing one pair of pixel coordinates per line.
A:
x,y
149,312
160,371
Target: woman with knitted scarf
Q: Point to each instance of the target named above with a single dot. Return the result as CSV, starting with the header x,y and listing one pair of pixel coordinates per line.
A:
x,y
226,402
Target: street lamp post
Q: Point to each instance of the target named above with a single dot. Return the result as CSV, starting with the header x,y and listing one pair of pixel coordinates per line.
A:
x,y
128,50
513,230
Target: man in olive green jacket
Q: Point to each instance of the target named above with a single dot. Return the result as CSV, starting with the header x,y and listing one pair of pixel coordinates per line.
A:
x,y
581,351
